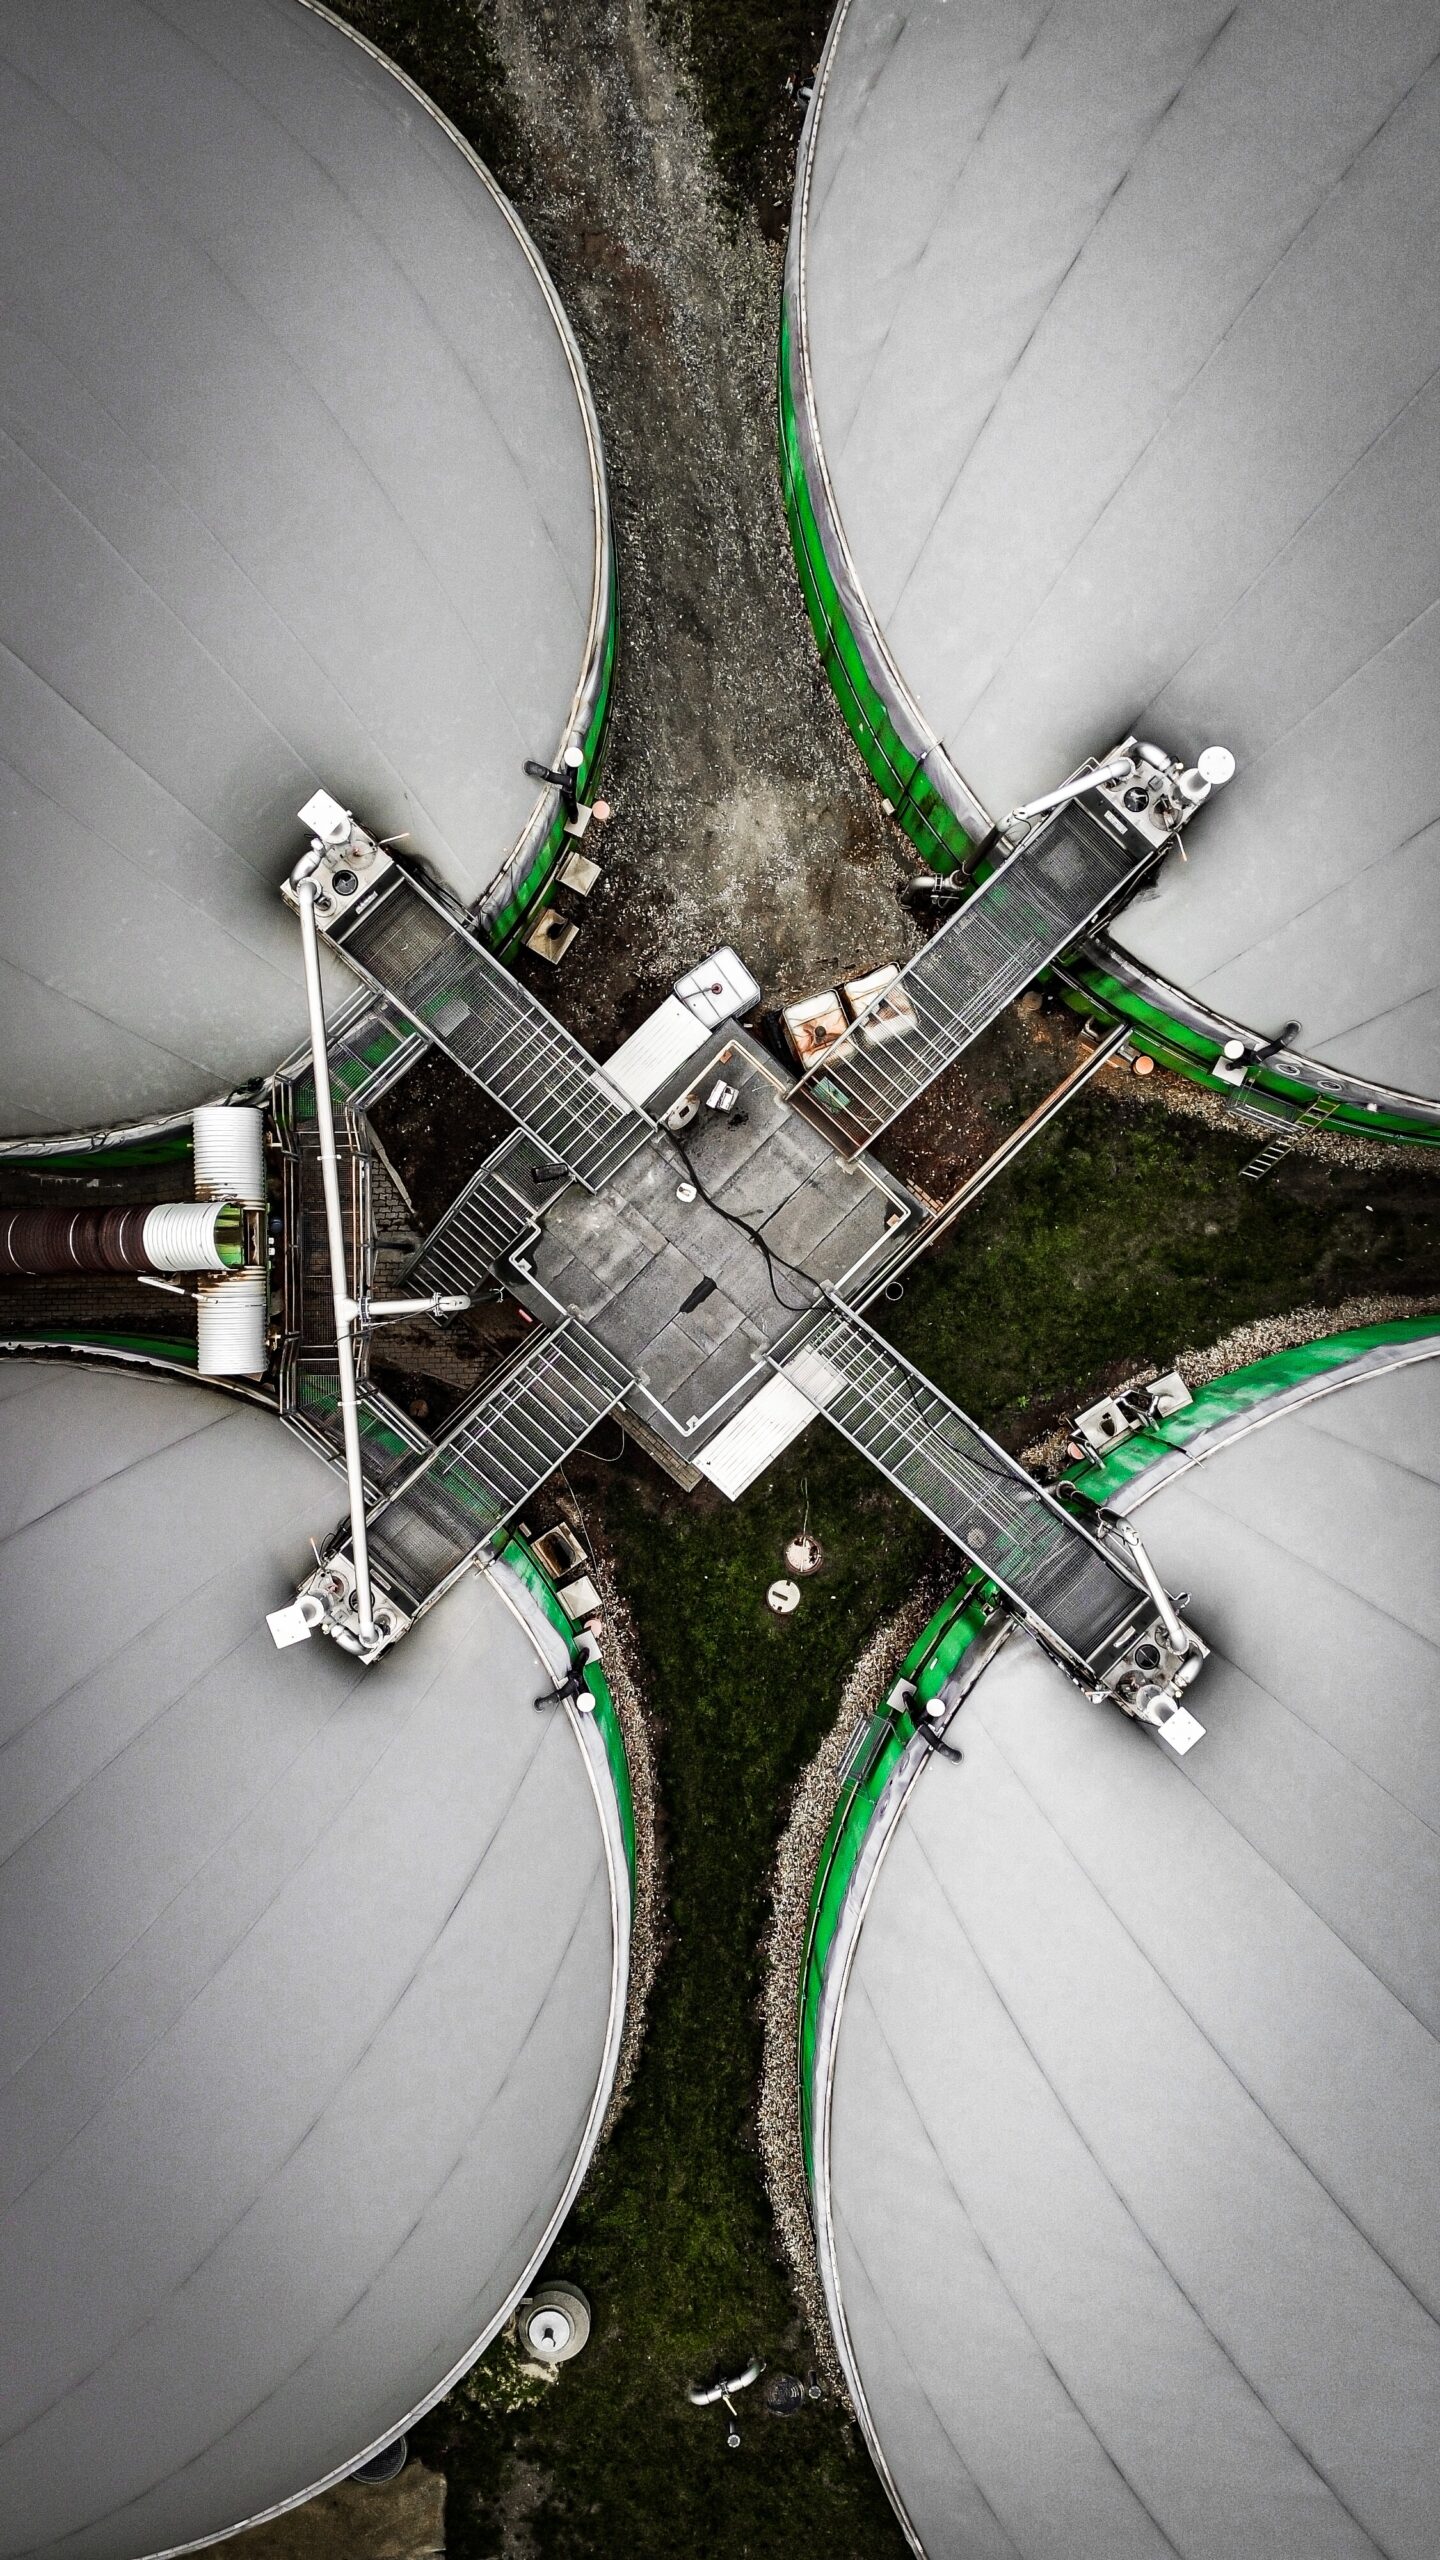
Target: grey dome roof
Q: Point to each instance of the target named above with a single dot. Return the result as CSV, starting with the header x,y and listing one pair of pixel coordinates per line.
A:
x,y
1136,2086
299,485
1123,336
312,1979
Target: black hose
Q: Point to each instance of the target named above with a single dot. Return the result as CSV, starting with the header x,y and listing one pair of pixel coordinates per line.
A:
x,y
746,1229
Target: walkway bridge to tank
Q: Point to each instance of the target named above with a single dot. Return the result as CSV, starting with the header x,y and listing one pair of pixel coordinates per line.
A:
x,y
415,952
1056,886
500,1448
1060,1579
683,1299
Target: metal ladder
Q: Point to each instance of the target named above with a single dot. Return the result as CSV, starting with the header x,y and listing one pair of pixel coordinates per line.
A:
x,y
1042,899
459,997
1314,1116
1059,1577
501,1447
494,1213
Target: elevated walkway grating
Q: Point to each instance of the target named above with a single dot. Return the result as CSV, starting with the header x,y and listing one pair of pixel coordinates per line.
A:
x,y
498,1450
391,1444
492,1027
1039,902
1063,1582
498,1208
371,1045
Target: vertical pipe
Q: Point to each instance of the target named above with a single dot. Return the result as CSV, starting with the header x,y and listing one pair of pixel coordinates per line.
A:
x,y
305,896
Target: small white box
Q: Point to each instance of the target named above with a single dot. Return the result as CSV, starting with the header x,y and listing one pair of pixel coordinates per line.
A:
x,y
290,1626
719,989
1181,1732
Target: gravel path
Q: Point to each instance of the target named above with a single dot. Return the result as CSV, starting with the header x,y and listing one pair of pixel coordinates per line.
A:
x,y
619,1652
1258,1341
783,1951
743,813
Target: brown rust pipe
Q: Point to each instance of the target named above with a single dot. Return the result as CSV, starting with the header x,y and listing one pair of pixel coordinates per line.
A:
x,y
170,1235
34,1242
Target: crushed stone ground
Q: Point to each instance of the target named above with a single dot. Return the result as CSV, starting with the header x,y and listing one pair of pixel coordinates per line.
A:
x,y
783,1954
742,811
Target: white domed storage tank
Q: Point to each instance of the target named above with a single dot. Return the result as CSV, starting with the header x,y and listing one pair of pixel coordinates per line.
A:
x,y
1123,2082
1109,404
301,487
313,1977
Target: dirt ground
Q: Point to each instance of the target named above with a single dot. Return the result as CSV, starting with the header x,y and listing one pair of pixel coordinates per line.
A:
x,y
404,2520
742,812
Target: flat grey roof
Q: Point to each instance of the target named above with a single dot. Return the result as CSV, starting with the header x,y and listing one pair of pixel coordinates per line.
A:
x,y
299,488
1124,335
628,1258
310,1979
1136,2085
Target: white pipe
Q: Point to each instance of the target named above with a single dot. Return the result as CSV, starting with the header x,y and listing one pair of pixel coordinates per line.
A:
x,y
180,1235
230,1317
229,1153
414,1307
1154,1586
1115,769
305,896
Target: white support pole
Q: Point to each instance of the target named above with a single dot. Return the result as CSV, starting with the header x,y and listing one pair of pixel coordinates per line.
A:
x,y
303,884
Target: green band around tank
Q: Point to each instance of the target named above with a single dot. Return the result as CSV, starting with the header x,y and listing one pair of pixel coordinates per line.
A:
x,y
1240,1392
520,1560
874,1758
503,929
139,1346
165,1147
926,817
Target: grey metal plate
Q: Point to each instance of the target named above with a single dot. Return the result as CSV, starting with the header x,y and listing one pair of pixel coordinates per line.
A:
x,y
307,1977
1137,2082
1124,326
296,490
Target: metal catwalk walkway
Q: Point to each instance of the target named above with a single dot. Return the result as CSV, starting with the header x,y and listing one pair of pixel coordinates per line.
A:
x,y
413,951
499,1207
1039,902
1062,1581
499,1450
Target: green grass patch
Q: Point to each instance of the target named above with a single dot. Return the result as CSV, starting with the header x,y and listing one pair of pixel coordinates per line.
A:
x,y
673,2238
1126,1236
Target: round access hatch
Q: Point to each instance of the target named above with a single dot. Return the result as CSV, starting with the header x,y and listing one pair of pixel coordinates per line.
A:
x,y
554,2324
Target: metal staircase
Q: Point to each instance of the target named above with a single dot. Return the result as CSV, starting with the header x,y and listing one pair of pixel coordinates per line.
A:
x,y
1050,891
499,1450
1314,1116
496,1211
1059,1577
416,953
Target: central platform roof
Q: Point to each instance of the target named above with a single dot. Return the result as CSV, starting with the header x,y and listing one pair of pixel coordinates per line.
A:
x,y
313,1979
